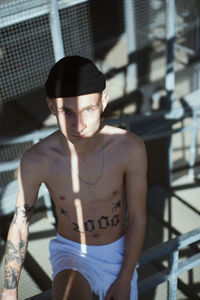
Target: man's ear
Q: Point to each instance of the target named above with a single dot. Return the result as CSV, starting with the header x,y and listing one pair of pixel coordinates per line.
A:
x,y
104,101
51,105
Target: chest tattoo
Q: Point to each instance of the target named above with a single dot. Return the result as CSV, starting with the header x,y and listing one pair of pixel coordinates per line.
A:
x,y
76,227
115,220
89,225
116,206
103,223
65,213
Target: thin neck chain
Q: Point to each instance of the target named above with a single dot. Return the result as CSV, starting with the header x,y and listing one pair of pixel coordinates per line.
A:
x,y
100,174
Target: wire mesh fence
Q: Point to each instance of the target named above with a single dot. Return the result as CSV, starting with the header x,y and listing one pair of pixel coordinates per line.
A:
x,y
96,29
93,29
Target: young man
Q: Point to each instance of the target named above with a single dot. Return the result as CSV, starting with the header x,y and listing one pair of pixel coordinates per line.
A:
x,y
94,174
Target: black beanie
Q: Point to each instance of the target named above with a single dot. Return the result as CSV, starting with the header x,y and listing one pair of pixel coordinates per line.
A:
x,y
74,76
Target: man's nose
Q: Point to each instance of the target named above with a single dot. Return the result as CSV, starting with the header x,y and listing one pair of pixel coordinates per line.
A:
x,y
79,123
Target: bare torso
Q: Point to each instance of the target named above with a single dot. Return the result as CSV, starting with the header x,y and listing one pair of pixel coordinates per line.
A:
x,y
93,213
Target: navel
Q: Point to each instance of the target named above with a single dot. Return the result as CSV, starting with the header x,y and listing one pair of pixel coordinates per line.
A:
x,y
62,198
95,235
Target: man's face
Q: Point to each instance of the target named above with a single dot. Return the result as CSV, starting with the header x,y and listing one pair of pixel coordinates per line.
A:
x,y
78,117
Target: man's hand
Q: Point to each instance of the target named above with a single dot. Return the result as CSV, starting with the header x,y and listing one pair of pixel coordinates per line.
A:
x,y
119,290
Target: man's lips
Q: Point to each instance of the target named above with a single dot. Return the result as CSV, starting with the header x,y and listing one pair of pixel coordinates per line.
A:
x,y
78,135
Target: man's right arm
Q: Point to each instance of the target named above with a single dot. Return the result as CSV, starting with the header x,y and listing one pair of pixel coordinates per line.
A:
x,y
17,240
16,246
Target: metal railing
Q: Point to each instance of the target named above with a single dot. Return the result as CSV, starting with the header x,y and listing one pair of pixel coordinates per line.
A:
x,y
175,267
159,124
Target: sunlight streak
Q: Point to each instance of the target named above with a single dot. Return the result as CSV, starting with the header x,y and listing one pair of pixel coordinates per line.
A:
x,y
74,174
75,179
69,285
79,213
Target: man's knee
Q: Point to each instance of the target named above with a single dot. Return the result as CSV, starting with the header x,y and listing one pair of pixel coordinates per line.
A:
x,y
71,285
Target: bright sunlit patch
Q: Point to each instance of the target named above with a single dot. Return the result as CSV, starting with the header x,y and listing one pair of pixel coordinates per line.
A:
x,y
69,285
75,179
79,213
74,169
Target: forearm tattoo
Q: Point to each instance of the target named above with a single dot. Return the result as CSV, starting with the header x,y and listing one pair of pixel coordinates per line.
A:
x,y
23,213
16,214
10,282
15,252
14,258
28,211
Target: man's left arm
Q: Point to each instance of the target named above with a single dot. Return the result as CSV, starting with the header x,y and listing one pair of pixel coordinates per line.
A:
x,y
136,187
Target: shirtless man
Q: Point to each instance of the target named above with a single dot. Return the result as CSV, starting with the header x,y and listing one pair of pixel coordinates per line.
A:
x,y
94,174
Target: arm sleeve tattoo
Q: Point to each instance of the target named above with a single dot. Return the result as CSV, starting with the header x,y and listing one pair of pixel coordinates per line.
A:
x,y
14,258
16,247
23,213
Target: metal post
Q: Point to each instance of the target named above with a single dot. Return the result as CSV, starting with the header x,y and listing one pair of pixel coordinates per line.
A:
x,y
56,33
170,77
173,275
193,145
170,36
129,17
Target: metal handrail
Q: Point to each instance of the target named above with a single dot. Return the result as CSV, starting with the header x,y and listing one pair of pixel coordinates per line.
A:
x,y
175,267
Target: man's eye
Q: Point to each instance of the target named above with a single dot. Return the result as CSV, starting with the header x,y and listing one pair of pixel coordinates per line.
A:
x,y
89,109
68,112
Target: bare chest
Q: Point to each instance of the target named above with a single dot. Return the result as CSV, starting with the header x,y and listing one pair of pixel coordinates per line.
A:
x,y
96,188
93,203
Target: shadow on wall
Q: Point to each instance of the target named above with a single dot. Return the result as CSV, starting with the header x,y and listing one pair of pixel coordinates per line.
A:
x,y
24,114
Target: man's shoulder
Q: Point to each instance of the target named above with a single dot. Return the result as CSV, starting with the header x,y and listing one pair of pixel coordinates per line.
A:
x,y
38,154
123,137
126,145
